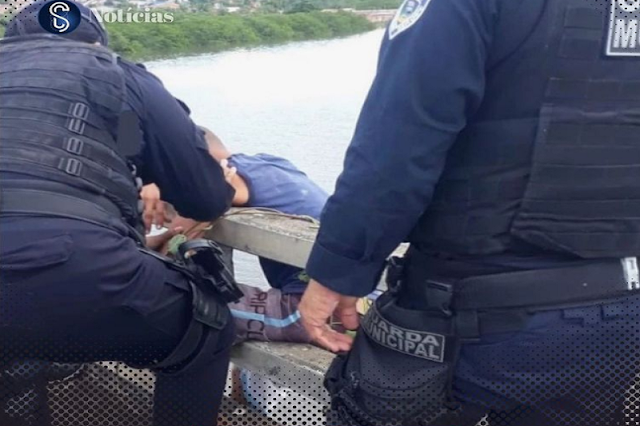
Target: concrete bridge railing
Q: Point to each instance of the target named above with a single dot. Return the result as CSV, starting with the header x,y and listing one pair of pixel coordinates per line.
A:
x,y
286,239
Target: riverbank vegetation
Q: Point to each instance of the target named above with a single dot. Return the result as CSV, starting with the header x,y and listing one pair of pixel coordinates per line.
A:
x,y
288,6
278,6
192,33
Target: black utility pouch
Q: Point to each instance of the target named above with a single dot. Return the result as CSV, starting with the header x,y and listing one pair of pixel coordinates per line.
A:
x,y
205,258
211,282
399,370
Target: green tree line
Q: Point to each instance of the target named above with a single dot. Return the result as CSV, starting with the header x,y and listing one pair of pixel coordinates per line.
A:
x,y
192,33
289,5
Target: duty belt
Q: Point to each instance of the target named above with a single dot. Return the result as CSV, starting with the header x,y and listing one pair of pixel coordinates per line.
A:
x,y
557,286
561,286
489,298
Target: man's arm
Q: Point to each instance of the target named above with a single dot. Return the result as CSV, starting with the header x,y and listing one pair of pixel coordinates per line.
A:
x,y
430,79
175,156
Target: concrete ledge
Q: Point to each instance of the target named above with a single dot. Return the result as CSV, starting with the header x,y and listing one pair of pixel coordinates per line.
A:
x,y
282,238
289,240
294,366
275,236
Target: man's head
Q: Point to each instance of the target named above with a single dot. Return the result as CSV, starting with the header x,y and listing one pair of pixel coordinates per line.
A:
x,y
25,22
220,152
216,147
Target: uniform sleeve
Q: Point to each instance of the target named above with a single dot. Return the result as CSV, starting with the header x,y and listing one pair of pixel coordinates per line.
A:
x,y
175,155
430,78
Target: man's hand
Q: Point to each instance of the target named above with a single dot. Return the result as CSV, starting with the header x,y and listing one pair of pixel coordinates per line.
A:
x,y
157,242
153,207
229,172
317,306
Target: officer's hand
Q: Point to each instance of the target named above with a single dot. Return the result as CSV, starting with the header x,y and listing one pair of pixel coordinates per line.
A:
x,y
153,207
316,308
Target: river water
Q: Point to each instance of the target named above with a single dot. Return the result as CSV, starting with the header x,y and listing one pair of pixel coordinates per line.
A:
x,y
299,101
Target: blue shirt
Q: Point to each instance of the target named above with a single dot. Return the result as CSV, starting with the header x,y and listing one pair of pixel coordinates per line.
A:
x,y
430,78
276,183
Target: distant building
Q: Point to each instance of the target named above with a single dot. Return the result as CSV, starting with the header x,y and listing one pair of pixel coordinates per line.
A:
x,y
377,16
346,9
170,5
104,8
141,4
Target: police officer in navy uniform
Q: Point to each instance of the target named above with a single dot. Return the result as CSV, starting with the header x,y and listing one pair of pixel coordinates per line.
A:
x,y
80,128
500,139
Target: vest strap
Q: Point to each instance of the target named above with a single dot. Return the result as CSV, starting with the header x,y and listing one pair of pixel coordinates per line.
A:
x,y
79,146
20,202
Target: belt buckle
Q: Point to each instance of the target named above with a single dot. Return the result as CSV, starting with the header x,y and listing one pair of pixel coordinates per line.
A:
x,y
70,166
395,268
74,145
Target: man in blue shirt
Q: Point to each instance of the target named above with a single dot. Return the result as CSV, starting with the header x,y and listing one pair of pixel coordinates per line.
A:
x,y
261,181
78,123
267,181
496,140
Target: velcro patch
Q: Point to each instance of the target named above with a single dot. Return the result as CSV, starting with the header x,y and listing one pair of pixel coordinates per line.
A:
x,y
624,25
421,344
408,14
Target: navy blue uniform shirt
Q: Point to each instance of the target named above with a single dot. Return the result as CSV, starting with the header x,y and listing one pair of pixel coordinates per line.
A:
x,y
430,79
175,155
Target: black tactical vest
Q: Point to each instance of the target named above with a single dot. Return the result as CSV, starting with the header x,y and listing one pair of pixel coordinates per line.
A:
x,y
551,161
61,106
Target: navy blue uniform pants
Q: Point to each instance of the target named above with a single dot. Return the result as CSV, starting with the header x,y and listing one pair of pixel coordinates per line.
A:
x,y
566,366
73,292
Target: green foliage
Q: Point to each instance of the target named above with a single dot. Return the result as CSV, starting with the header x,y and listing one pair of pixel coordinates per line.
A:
x,y
302,6
293,6
192,33
376,4
338,4
200,5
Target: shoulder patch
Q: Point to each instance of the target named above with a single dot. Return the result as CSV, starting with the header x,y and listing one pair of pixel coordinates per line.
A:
x,y
624,28
408,14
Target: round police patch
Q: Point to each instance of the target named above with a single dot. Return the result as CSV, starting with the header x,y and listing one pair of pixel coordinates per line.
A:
x,y
407,15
